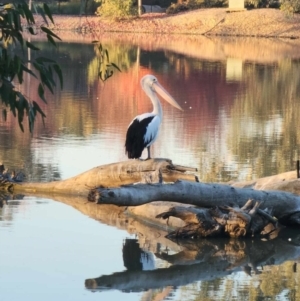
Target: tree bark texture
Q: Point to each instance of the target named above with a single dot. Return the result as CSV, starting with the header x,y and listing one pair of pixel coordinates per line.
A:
x,y
285,206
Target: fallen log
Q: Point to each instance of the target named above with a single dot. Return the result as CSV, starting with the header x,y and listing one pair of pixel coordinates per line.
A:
x,y
99,185
286,181
285,206
110,175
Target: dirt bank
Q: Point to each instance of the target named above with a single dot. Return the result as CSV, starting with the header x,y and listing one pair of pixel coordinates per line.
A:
x,y
215,21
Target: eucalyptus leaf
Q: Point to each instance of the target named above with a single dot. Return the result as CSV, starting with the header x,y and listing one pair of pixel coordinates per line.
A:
x,y
107,56
50,32
48,12
38,109
31,46
43,15
51,40
114,65
41,92
29,71
31,30
58,71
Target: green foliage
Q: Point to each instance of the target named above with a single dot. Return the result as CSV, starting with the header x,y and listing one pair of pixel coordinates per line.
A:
x,y
290,7
13,66
105,67
74,7
117,8
252,3
164,3
175,8
262,3
123,55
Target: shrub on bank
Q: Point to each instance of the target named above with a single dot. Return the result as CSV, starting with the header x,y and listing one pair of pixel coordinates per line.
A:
x,y
117,8
72,7
178,7
126,8
290,7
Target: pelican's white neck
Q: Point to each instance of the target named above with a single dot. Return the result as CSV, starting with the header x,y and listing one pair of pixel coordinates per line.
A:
x,y
157,109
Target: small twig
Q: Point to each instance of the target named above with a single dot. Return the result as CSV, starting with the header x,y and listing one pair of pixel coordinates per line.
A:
x,y
267,216
183,168
204,33
247,205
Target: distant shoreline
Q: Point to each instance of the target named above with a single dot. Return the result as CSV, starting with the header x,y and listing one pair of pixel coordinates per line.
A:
x,y
210,22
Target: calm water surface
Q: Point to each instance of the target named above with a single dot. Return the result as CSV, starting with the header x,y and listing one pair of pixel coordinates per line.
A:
x,y
241,101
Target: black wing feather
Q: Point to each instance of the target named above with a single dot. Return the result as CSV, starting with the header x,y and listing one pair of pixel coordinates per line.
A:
x,y
135,144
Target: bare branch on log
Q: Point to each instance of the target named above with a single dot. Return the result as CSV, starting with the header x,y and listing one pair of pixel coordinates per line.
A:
x,y
219,221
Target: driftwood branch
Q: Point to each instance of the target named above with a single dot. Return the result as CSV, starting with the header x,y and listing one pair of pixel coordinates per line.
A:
x,y
221,221
110,175
285,206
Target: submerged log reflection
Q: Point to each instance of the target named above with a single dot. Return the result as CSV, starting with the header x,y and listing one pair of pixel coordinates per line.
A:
x,y
186,261
202,260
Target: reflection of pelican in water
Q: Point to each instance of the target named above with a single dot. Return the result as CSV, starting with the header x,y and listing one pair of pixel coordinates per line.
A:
x,y
135,258
143,130
203,260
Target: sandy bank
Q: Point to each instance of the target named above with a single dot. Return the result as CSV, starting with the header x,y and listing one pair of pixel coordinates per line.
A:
x,y
215,21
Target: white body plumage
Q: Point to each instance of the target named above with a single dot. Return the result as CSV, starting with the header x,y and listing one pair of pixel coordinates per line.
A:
x,y
143,130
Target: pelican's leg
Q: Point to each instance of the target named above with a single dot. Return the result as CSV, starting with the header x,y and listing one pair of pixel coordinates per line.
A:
x,y
148,149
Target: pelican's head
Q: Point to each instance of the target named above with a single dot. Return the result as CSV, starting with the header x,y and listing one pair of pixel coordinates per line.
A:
x,y
150,82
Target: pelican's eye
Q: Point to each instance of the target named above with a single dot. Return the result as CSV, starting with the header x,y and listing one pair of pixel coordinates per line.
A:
x,y
153,82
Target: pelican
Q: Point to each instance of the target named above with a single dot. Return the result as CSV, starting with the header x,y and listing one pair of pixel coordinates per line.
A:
x,y
143,130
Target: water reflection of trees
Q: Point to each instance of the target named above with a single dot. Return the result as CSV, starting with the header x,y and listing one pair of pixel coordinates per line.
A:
x,y
64,112
262,108
269,111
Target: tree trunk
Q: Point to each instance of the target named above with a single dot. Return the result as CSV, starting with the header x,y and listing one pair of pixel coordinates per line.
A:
x,y
140,7
285,206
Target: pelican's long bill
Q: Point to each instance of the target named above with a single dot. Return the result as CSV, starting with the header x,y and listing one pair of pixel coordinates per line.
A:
x,y
165,94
